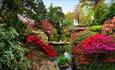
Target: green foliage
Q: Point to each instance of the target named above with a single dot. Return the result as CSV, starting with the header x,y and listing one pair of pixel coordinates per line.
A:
x,y
69,18
96,28
37,9
60,49
111,10
101,13
95,13
68,21
65,34
65,37
56,17
30,8
11,5
9,11
11,53
54,35
62,60
81,36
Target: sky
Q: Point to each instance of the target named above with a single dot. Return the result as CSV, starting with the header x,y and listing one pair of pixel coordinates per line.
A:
x,y
67,5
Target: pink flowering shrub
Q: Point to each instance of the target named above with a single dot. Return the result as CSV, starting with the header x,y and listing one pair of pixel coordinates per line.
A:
x,y
47,27
98,43
94,45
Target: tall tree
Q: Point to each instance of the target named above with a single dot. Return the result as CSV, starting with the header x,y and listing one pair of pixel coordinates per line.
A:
x,y
56,17
103,11
35,8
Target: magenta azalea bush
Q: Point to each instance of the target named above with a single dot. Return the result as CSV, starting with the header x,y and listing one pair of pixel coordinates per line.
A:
x,y
95,45
98,43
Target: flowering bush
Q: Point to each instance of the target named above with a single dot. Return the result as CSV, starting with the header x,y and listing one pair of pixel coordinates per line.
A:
x,y
80,55
94,45
47,27
109,26
98,43
47,49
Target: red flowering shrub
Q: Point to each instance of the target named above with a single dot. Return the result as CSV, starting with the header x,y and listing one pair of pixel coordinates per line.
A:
x,y
94,45
80,56
47,49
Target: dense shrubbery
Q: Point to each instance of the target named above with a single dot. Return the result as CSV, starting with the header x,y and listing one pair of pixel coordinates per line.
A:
x,y
88,48
94,49
96,45
12,55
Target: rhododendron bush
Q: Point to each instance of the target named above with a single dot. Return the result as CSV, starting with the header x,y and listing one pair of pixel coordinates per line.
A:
x,y
95,45
47,49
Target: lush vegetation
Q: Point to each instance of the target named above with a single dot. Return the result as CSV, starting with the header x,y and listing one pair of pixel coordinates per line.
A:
x,y
12,54
27,29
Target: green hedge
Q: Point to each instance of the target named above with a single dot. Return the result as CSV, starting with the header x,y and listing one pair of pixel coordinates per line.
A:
x,y
95,28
